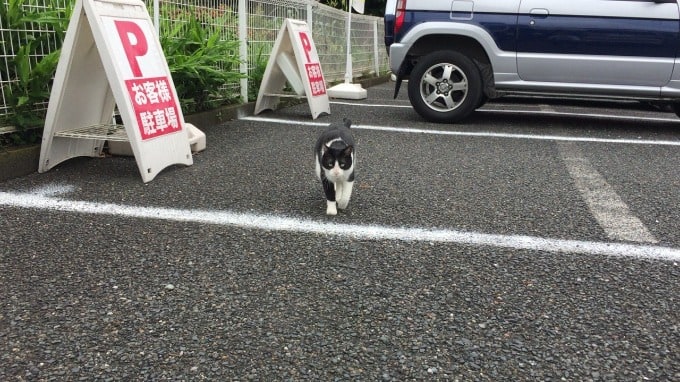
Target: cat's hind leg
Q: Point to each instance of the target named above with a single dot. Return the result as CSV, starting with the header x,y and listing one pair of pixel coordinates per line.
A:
x,y
344,195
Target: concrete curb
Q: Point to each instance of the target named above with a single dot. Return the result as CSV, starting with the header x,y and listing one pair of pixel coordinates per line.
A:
x,y
22,161
19,161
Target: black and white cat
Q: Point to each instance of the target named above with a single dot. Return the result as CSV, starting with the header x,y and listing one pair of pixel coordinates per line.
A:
x,y
335,159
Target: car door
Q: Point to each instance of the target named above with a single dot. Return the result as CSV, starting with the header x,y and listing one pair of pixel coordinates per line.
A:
x,y
614,42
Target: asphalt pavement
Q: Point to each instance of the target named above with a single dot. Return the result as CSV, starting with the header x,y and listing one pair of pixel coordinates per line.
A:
x,y
536,241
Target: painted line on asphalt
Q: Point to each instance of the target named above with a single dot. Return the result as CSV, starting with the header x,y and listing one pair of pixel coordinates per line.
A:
x,y
610,211
480,134
407,106
587,115
545,108
268,222
543,111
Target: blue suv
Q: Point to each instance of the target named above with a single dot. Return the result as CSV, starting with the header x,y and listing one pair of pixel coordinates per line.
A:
x,y
456,54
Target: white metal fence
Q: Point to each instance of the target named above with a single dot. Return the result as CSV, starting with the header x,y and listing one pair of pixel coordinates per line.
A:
x,y
255,23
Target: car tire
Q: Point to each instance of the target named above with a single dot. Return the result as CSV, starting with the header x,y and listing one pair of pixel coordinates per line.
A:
x,y
445,87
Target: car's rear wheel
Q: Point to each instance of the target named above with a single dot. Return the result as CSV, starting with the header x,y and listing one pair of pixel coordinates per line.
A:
x,y
445,86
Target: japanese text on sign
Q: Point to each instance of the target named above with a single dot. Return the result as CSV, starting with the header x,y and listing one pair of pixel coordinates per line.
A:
x,y
154,106
316,81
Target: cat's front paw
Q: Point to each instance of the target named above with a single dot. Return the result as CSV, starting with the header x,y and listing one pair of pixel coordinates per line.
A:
x,y
343,199
331,209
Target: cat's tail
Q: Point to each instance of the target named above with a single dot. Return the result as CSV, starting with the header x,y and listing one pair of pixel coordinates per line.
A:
x,y
347,122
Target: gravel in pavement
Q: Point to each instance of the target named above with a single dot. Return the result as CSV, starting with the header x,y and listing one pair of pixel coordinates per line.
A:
x,y
92,297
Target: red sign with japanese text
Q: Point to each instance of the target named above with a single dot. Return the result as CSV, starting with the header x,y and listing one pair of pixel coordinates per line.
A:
x,y
154,105
316,81
149,88
312,66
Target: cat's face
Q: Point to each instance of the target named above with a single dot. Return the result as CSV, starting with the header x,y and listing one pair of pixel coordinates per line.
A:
x,y
341,157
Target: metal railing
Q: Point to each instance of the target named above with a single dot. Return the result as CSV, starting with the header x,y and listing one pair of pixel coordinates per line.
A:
x,y
255,23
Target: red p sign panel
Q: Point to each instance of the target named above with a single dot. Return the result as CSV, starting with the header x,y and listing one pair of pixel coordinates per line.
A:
x,y
134,43
306,45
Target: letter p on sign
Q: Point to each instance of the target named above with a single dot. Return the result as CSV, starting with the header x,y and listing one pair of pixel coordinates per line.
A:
x,y
306,45
134,43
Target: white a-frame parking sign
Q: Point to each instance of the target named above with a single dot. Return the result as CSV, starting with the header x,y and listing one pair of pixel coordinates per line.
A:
x,y
294,59
112,57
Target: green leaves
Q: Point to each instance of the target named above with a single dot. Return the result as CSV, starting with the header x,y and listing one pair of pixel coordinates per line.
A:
x,y
202,64
34,33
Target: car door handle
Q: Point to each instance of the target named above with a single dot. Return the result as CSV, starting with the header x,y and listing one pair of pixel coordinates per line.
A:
x,y
539,12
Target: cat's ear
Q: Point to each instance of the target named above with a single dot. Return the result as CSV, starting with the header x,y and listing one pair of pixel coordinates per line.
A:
x,y
347,121
348,150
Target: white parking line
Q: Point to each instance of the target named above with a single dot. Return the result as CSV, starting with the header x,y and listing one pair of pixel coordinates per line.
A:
x,y
364,232
546,108
586,115
543,111
372,105
610,211
473,133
